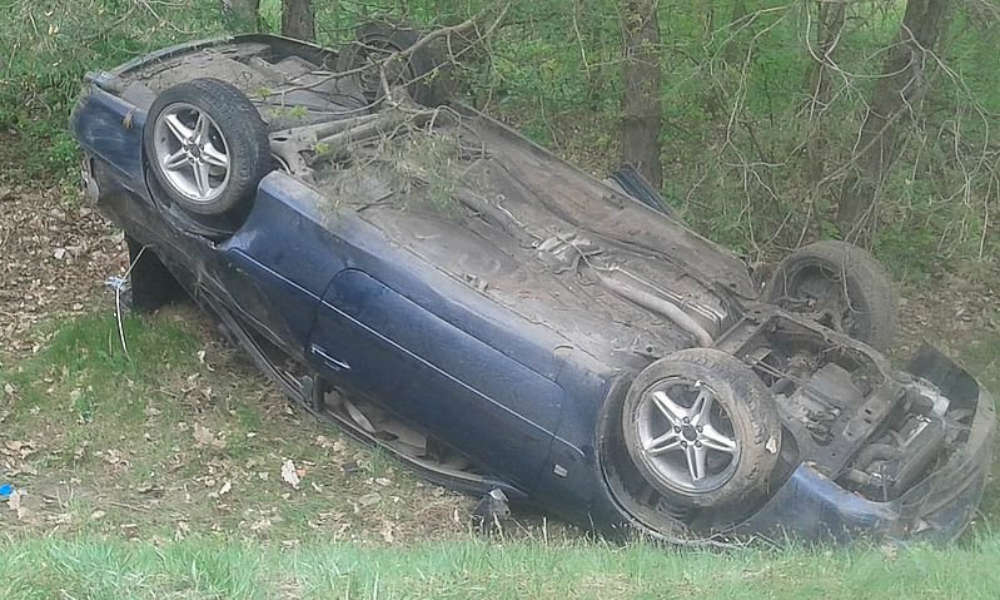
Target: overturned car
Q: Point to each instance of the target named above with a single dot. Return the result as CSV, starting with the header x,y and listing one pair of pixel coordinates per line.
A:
x,y
437,285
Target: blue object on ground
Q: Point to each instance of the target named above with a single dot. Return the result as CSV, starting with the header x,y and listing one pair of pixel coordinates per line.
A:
x,y
6,490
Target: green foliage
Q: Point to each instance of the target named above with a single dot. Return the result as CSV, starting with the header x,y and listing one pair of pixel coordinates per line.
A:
x,y
745,159
48,45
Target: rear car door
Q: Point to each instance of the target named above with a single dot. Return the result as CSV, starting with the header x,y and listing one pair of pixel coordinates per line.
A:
x,y
428,371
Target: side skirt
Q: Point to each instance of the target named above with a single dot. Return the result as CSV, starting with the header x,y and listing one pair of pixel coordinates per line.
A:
x,y
307,392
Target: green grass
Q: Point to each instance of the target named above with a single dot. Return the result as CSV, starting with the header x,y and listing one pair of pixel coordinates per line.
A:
x,y
92,567
84,368
125,435
982,355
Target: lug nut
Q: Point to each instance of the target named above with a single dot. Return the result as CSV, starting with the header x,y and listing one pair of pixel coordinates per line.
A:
x,y
697,444
700,429
677,429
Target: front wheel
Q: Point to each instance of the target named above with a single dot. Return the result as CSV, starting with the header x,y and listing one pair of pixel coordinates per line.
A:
x,y
702,430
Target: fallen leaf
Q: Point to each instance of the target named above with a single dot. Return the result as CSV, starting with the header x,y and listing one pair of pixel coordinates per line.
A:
x,y
204,437
14,502
182,530
80,452
289,475
889,551
369,499
60,519
97,515
261,525
225,488
387,532
150,488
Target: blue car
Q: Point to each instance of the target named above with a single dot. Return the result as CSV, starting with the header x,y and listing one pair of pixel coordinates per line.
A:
x,y
435,284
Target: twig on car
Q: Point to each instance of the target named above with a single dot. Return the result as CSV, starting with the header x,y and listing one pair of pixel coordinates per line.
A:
x,y
444,31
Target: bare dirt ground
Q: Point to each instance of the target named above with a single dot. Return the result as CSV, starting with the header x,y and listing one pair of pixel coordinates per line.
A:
x,y
199,461
55,254
954,314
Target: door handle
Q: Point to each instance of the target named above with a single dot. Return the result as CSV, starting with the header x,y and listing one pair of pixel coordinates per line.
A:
x,y
334,363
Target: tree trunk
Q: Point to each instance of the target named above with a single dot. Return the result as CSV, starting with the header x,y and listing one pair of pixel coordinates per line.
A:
x,y
641,106
897,95
244,14
829,25
735,51
298,20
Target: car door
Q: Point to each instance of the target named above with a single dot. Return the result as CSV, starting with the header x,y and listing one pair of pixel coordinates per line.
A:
x,y
426,370
273,271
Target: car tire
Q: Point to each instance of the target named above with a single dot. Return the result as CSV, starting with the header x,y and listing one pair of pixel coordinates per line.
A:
x,y
207,147
720,456
378,40
844,284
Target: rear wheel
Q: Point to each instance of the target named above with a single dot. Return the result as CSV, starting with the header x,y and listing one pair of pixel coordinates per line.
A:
x,y
207,147
702,430
420,72
842,286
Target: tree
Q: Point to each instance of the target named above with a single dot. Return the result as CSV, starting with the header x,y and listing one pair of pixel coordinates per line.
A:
x,y
244,14
641,104
829,26
298,19
896,96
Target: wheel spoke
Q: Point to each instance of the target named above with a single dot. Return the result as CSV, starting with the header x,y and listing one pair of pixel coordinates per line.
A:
x,y
695,461
176,160
213,157
701,408
201,178
201,129
675,414
712,438
667,441
180,130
